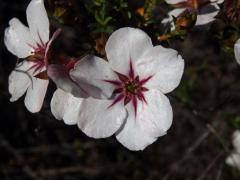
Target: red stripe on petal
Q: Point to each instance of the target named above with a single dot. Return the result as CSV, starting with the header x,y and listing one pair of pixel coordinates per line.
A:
x,y
118,90
117,83
131,70
119,98
127,99
135,104
144,89
41,41
145,80
141,97
31,46
122,77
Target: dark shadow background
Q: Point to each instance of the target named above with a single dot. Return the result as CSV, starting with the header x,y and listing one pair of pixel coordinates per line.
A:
x,y
37,146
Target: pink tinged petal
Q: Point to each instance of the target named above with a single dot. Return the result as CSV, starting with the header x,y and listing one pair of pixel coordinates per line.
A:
x,y
91,74
38,21
151,121
36,94
97,120
19,80
62,79
164,66
49,44
17,38
237,51
65,106
174,1
207,14
124,45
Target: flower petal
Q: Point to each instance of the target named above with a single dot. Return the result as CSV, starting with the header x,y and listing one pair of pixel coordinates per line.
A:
x,y
237,50
35,94
98,120
90,73
18,39
19,80
125,44
236,140
207,14
63,81
65,106
166,67
38,21
217,1
174,1
234,160
169,20
152,121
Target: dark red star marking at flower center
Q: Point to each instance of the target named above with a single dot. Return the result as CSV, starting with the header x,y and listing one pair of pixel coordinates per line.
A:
x,y
129,88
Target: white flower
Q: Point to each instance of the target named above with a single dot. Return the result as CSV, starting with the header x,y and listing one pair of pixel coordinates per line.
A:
x,y
234,159
136,77
237,50
25,42
206,10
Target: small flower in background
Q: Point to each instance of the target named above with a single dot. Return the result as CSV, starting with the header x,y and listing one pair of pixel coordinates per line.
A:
x,y
32,44
206,10
132,104
237,50
234,159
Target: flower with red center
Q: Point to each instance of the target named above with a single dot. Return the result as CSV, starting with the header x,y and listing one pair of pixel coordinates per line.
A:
x,y
32,44
128,96
206,10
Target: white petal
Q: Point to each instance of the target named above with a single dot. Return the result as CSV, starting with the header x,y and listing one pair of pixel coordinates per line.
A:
x,y
152,120
61,78
35,94
207,14
166,67
90,72
236,141
171,14
234,160
125,44
217,1
65,106
237,51
38,21
18,39
19,80
98,120
174,1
